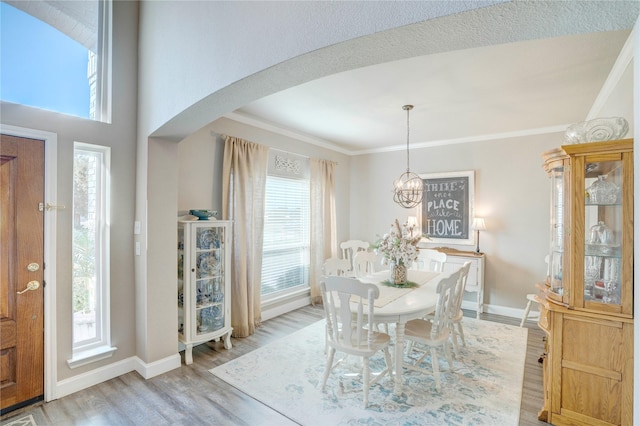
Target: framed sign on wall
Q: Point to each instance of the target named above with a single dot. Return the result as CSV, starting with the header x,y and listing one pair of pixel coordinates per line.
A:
x,y
446,212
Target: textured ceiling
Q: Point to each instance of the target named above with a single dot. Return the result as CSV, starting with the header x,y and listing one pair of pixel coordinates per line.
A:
x,y
513,68
78,19
506,88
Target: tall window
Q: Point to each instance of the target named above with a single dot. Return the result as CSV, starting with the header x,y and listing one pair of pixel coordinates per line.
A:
x,y
90,248
55,56
285,261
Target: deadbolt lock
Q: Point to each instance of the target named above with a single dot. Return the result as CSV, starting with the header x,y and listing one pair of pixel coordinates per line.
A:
x,y
33,267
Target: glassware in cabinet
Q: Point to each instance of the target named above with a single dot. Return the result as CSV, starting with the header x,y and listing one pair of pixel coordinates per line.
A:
x,y
603,232
181,267
556,166
600,245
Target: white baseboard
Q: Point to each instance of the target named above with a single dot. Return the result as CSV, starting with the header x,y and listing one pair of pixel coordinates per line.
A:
x,y
277,310
91,378
500,310
281,309
158,367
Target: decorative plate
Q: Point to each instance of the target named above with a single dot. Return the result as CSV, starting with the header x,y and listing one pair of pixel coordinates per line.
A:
x,y
597,130
207,264
208,239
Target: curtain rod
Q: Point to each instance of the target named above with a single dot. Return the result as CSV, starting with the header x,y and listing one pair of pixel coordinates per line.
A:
x,y
299,155
224,137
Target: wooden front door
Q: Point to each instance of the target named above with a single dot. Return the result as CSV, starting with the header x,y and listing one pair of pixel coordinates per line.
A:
x,y
21,271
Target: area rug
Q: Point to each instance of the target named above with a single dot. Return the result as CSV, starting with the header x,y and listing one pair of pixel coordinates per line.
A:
x,y
22,421
485,387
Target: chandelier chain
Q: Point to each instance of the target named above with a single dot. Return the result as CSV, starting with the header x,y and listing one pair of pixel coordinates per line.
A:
x,y
408,109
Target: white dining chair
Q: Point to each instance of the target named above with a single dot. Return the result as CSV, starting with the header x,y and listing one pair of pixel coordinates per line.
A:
x,y
366,263
434,332
431,260
350,248
353,334
336,266
533,298
455,323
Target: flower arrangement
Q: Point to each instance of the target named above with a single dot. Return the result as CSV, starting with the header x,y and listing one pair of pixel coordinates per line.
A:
x,y
399,244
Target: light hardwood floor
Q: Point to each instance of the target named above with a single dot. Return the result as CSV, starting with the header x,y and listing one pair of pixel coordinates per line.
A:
x,y
190,395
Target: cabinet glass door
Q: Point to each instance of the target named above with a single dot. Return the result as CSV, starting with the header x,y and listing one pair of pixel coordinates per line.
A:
x,y
181,267
556,253
209,279
603,232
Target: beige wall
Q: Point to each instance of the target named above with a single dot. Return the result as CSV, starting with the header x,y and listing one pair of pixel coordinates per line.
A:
x,y
121,137
200,166
619,103
160,338
511,193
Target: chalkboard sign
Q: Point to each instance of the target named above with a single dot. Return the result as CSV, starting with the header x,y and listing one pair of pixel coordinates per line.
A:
x,y
447,207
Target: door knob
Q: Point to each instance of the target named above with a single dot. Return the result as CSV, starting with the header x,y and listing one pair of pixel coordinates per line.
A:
x,y
31,285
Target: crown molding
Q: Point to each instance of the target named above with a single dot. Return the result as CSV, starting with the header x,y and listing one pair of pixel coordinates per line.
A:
x,y
260,124
469,139
619,67
255,122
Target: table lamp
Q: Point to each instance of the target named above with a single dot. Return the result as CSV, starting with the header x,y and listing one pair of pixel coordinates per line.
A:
x,y
412,222
478,225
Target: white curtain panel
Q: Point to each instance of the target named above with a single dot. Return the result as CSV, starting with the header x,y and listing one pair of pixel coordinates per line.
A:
x,y
244,178
323,239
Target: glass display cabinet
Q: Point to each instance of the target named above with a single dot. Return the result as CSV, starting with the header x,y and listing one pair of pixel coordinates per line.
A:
x,y
555,164
587,309
204,292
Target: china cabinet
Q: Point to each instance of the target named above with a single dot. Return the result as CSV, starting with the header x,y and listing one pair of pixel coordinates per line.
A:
x,y
587,304
204,292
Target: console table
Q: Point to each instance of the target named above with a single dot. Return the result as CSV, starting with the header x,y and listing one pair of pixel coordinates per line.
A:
x,y
475,279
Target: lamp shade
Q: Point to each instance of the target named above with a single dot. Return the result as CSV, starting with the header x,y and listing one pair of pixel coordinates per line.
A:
x,y
478,224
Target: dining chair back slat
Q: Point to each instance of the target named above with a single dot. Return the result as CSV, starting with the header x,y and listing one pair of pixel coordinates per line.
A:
x,y
431,260
349,249
366,263
335,266
456,315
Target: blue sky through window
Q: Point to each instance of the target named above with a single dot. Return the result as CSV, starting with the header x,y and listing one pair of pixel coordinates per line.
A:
x,y
40,66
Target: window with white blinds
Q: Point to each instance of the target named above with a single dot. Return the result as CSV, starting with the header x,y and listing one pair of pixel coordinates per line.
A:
x,y
285,261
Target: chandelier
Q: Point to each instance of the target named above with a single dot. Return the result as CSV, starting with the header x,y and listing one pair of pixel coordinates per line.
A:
x,y
408,188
